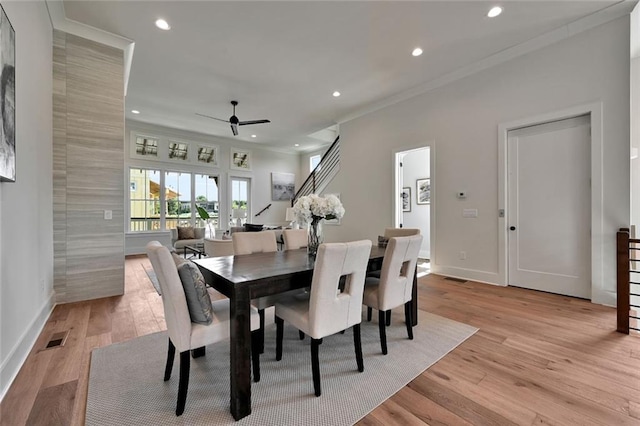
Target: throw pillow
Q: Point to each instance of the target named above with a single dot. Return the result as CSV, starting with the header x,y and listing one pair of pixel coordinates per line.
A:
x,y
248,227
195,290
186,233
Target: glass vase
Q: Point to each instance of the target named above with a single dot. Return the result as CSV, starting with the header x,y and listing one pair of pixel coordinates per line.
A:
x,y
316,236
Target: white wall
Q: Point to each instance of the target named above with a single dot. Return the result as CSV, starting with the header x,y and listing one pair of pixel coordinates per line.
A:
x,y
635,118
415,165
462,118
26,225
264,162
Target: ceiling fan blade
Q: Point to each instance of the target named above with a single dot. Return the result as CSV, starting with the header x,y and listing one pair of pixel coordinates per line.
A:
x,y
234,129
245,123
208,116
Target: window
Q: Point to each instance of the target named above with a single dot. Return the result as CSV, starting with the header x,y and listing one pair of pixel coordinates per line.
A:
x,y
177,190
240,196
144,200
146,146
207,198
314,160
178,150
208,155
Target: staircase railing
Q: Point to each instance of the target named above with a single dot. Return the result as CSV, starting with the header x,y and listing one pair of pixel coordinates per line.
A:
x,y
320,177
628,287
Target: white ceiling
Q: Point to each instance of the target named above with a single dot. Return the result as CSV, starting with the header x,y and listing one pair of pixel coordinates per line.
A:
x,y
283,60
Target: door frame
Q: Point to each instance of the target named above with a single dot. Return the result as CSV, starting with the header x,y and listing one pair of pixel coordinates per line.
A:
x,y
594,110
395,202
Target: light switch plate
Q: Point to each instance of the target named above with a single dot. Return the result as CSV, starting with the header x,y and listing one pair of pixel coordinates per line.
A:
x,y
108,214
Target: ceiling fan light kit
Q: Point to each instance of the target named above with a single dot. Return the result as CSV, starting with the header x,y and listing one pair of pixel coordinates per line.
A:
x,y
234,121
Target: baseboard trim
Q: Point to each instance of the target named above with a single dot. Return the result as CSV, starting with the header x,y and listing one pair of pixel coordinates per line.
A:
x,y
10,367
467,274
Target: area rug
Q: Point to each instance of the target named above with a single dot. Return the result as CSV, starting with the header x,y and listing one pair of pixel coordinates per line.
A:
x,y
126,386
152,277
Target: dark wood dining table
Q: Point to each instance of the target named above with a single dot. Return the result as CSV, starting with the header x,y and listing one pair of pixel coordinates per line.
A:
x,y
246,277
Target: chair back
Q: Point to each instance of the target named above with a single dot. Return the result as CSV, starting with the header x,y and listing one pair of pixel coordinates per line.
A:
x,y
295,238
176,312
331,311
401,232
398,270
215,248
254,242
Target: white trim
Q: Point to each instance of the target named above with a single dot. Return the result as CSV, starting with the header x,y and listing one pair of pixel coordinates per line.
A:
x,y
18,355
466,274
59,21
603,16
598,294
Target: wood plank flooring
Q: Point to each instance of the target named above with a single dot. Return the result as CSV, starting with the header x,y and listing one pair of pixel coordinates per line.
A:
x,y
538,359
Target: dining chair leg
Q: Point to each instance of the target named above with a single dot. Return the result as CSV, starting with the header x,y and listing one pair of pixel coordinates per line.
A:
x,y
255,355
408,309
369,313
261,314
357,342
279,337
183,386
300,335
170,356
388,317
198,352
315,366
383,332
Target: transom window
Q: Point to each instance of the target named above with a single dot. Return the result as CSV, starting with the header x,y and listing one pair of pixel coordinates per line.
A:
x,y
178,150
146,146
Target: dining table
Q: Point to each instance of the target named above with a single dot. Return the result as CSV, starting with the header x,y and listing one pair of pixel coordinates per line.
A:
x,y
245,277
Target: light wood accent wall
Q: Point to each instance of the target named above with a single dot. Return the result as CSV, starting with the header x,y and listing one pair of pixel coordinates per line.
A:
x,y
88,169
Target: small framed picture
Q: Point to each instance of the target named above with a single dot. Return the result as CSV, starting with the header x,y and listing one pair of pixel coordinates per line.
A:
x,y
423,191
406,199
283,186
240,159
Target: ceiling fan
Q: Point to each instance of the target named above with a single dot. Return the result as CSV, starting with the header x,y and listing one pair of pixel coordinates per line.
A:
x,y
234,121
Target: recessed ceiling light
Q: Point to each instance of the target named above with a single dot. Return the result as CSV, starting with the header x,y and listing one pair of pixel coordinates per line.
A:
x,y
135,111
163,25
336,94
297,144
253,136
417,51
495,11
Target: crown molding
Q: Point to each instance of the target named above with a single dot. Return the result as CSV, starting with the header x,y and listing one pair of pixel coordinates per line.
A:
x,y
622,8
59,21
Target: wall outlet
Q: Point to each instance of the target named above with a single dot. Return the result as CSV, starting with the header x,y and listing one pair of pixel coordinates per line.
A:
x,y
462,255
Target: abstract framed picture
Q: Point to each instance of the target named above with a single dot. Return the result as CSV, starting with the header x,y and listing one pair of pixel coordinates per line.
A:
x,y
423,189
7,99
406,199
240,159
283,186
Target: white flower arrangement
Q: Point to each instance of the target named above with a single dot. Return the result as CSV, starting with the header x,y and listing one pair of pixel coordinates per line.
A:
x,y
312,208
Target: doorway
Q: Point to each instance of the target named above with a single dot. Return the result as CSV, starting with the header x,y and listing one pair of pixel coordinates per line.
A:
x,y
549,206
413,193
239,200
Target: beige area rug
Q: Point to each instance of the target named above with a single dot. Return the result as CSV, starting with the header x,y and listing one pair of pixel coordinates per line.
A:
x,y
126,386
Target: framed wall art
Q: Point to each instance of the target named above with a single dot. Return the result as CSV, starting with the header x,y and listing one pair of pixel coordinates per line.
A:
x,y
7,99
240,159
423,191
283,186
406,199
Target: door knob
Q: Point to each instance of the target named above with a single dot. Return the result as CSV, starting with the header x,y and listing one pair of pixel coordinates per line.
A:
x,y
513,228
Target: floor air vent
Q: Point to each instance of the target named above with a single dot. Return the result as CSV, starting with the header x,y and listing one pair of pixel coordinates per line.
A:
x,y
458,280
57,340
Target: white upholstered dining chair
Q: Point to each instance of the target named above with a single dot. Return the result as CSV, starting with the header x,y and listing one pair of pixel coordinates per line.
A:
x,y
185,335
395,284
215,248
295,238
327,310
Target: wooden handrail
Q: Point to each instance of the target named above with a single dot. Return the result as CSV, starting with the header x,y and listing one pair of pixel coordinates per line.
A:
x,y
260,212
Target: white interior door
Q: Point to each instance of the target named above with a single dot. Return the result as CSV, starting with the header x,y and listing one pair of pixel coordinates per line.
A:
x,y
549,215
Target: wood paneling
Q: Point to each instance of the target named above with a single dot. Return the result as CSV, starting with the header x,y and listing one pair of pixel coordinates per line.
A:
x,y
538,359
88,169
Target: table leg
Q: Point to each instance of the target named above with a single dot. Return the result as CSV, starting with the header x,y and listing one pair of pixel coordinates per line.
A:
x,y
240,356
414,297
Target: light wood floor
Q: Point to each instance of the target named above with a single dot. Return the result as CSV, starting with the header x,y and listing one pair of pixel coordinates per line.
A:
x,y
538,359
